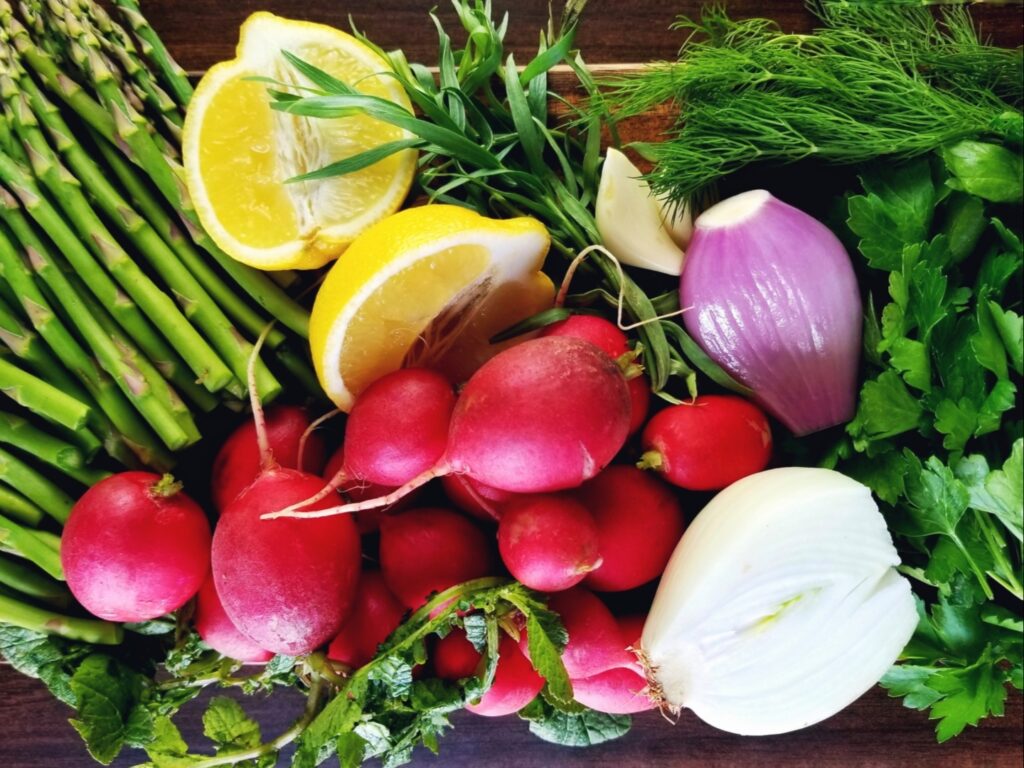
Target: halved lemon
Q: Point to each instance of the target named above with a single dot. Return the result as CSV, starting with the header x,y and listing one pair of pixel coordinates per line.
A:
x,y
426,286
238,152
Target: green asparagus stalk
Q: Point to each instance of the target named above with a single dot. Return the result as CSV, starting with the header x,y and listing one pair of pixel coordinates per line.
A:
x,y
157,305
239,311
17,507
198,306
116,122
119,422
51,540
29,347
128,379
40,490
41,398
31,583
167,397
20,433
25,543
175,78
41,620
118,45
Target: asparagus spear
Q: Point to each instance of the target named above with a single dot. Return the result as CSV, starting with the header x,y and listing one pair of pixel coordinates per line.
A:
x,y
40,490
25,543
41,620
123,419
20,433
196,302
128,379
41,398
116,122
17,507
118,45
28,346
30,582
239,311
174,76
157,305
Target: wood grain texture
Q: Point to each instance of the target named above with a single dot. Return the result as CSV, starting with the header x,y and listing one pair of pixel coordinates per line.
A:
x,y
875,731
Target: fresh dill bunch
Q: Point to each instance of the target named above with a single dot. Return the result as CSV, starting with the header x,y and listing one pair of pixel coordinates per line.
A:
x,y
747,92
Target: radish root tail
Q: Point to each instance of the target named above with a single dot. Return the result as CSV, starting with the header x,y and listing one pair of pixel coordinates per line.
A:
x,y
259,419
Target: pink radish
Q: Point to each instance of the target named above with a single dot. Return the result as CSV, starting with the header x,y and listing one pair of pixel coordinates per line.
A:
x,y
428,550
610,338
708,444
398,428
396,431
135,547
595,640
620,691
549,542
544,415
454,657
217,631
475,498
238,461
639,522
375,614
287,584
516,683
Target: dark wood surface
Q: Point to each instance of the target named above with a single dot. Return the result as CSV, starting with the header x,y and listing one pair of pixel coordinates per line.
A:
x,y
875,731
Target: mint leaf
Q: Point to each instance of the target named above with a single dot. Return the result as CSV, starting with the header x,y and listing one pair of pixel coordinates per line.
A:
x,y
574,729
106,693
989,171
226,725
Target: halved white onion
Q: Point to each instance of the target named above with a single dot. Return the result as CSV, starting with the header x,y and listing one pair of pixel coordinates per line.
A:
x,y
781,604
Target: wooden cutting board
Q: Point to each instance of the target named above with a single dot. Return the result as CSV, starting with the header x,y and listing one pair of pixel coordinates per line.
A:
x,y
875,731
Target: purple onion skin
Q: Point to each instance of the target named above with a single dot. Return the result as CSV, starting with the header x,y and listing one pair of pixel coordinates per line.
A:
x,y
775,303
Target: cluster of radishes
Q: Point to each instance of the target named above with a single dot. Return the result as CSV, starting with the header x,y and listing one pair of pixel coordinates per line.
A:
x,y
523,453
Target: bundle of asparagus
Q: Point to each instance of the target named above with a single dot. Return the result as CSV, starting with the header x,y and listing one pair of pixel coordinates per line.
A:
x,y
121,321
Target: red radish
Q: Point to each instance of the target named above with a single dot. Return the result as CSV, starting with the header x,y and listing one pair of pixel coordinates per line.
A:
x,y
135,547
375,614
217,631
287,584
595,640
640,402
709,444
398,427
396,431
516,683
600,332
238,461
620,691
429,550
454,657
549,542
631,627
639,522
359,490
475,498
544,415
610,338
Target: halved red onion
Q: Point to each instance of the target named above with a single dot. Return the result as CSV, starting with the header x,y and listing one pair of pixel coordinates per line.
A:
x,y
775,302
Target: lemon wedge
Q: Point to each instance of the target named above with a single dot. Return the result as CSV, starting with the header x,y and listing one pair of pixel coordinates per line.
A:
x,y
425,286
238,152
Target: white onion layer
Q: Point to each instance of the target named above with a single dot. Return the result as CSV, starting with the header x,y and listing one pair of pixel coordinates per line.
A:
x,y
781,604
